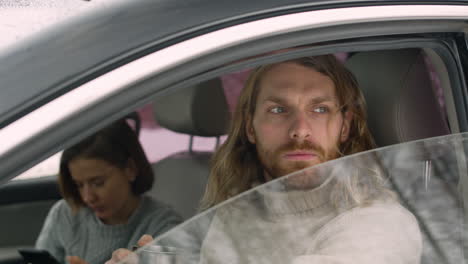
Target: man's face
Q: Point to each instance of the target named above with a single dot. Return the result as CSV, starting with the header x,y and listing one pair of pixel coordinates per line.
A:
x,y
297,121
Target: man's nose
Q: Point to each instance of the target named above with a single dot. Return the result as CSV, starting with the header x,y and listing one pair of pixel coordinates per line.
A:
x,y
300,127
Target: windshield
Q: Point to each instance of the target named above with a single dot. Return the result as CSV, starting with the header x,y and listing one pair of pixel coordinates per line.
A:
x,y
399,204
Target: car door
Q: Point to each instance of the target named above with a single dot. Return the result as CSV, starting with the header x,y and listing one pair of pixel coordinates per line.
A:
x,y
106,74
278,222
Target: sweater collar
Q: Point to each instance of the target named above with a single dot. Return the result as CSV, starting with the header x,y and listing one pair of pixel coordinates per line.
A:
x,y
134,217
282,202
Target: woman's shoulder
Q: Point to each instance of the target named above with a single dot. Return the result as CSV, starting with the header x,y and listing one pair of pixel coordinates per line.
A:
x,y
62,210
60,214
155,217
152,206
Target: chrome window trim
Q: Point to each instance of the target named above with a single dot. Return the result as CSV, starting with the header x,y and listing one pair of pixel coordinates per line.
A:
x,y
104,86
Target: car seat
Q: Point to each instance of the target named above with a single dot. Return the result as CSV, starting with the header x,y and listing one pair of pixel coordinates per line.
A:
x,y
403,106
400,96
201,111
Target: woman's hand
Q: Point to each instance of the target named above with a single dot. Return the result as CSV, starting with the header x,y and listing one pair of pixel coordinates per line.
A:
x,y
75,260
123,253
144,240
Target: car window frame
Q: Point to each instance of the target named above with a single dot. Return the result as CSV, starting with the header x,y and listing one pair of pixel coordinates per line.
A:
x,y
138,77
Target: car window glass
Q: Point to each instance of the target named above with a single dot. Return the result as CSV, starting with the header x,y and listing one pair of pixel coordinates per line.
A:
x,y
355,207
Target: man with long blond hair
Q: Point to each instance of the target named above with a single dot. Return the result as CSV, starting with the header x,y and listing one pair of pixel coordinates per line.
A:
x,y
290,116
249,156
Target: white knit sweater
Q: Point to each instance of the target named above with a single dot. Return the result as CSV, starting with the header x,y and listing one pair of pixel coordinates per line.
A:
x,y
299,227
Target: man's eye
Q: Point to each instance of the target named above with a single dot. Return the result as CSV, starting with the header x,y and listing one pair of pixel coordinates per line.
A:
x,y
277,110
321,109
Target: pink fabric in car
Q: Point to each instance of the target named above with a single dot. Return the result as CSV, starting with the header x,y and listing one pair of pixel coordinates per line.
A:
x,y
233,84
147,117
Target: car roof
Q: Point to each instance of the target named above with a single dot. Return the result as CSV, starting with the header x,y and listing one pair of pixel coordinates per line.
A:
x,y
52,63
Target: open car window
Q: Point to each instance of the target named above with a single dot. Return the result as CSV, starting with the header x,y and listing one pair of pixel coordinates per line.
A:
x,y
389,205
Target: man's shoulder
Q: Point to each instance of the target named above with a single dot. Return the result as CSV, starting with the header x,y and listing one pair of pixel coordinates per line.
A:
x,y
387,206
378,211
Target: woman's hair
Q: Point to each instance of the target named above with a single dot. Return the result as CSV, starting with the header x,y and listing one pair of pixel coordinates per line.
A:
x,y
235,166
117,145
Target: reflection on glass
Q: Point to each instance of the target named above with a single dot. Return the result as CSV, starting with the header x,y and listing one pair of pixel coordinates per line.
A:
x,y
399,204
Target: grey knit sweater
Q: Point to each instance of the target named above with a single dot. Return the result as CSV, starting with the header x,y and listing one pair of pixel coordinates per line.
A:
x,y
84,235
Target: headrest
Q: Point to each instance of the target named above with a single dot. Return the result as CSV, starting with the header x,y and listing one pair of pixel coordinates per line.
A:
x,y
200,110
402,103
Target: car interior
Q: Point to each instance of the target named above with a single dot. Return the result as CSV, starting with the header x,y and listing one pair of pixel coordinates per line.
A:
x,y
404,104
198,111
404,108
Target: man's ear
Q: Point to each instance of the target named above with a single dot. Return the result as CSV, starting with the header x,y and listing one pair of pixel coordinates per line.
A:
x,y
249,130
345,128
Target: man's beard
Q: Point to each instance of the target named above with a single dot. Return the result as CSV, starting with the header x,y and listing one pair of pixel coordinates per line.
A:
x,y
274,164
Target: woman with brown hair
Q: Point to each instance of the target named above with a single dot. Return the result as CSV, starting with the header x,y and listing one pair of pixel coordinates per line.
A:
x,y
103,180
